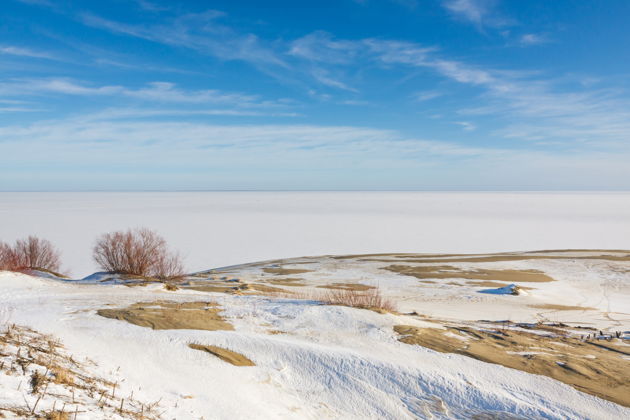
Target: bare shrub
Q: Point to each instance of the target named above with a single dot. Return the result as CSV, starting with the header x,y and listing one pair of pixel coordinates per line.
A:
x,y
8,259
32,253
140,252
366,299
37,254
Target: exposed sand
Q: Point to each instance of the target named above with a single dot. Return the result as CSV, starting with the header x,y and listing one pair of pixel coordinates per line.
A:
x,y
450,272
501,258
161,315
229,356
289,281
555,307
596,367
347,286
280,271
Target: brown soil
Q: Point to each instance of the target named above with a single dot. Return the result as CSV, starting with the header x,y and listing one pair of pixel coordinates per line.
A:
x,y
451,272
595,367
347,286
229,356
281,271
162,315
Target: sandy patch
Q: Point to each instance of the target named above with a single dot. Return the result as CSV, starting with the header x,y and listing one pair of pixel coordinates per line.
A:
x,y
347,286
451,272
281,271
501,258
596,367
161,315
213,288
486,283
554,307
229,356
289,281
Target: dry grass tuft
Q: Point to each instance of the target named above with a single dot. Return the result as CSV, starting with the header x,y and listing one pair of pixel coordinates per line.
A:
x,y
371,299
36,381
57,386
366,299
62,375
171,287
57,415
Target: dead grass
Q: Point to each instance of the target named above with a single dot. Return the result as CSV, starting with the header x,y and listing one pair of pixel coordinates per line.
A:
x,y
56,386
366,299
171,287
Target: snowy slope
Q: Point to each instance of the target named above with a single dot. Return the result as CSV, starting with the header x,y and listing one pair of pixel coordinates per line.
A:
x,y
330,362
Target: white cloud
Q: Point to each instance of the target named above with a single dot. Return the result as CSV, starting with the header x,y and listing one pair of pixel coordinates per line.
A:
x,y
198,31
533,39
113,133
466,125
530,106
427,95
320,46
479,12
153,92
322,76
23,52
99,149
18,109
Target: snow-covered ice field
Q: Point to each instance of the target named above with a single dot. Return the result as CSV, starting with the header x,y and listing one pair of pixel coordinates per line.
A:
x,y
213,229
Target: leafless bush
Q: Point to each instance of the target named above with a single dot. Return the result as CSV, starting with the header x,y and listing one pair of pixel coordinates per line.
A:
x,y
37,253
139,252
31,253
8,259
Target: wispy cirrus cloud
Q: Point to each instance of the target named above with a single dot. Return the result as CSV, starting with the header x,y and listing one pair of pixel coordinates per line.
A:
x,y
427,95
160,150
153,92
23,52
531,106
202,32
533,39
478,12
466,125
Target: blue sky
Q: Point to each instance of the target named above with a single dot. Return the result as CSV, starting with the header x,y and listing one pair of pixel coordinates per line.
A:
x,y
345,94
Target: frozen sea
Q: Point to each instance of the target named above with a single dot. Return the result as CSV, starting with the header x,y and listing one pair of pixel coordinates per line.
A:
x,y
213,229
